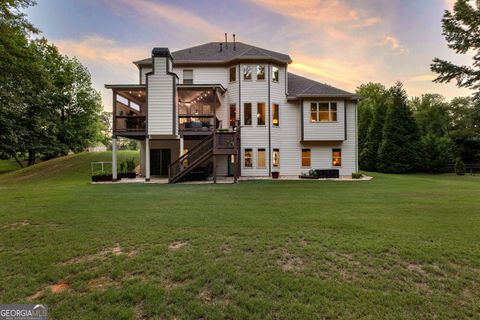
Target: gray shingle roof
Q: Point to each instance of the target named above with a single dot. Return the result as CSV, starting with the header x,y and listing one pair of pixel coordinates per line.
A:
x,y
299,87
210,53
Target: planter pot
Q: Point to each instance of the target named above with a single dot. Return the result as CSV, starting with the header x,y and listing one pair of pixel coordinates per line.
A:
x,y
105,177
275,175
128,175
308,177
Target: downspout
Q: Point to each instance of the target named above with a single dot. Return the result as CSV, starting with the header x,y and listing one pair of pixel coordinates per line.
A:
x,y
239,119
269,124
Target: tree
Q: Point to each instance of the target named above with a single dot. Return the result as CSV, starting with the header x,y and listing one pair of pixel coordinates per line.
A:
x,y
464,128
431,112
461,29
399,150
437,152
373,104
460,168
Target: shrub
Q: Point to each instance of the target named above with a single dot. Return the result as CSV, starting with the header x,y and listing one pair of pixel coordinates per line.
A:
x,y
312,173
356,175
460,167
127,165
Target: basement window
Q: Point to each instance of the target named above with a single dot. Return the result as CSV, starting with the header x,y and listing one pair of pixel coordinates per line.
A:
x,y
248,161
187,76
276,158
306,158
337,157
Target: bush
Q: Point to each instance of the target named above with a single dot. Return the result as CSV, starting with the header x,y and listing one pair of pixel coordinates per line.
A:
x,y
127,165
460,167
356,175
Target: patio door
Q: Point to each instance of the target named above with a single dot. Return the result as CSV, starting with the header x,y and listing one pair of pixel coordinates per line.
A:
x,y
159,161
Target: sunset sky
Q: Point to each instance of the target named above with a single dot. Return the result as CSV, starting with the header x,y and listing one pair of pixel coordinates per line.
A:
x,y
341,42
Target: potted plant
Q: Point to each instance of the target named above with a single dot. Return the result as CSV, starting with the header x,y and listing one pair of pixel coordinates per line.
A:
x,y
101,175
311,174
127,169
275,174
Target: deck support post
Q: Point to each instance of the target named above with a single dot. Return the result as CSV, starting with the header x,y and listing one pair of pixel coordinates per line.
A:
x,y
147,159
214,169
181,147
235,169
114,158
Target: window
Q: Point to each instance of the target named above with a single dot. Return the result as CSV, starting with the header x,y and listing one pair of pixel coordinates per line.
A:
x,y
261,114
275,115
248,158
247,73
233,115
276,158
233,74
337,157
306,156
323,111
247,114
275,74
188,76
261,162
260,72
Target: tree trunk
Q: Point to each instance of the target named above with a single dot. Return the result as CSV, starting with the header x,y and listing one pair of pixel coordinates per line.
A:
x,y
21,165
31,157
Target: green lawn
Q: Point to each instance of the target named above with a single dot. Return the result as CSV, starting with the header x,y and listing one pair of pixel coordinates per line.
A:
x,y
396,247
10,165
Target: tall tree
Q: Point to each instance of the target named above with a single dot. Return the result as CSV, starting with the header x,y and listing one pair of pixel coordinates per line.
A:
x,y
465,128
461,28
374,98
399,150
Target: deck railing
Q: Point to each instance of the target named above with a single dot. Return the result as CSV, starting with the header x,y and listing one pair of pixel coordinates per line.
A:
x,y
129,123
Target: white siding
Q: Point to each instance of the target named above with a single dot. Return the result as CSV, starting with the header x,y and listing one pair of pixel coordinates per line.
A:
x,y
254,137
143,72
324,131
205,75
160,99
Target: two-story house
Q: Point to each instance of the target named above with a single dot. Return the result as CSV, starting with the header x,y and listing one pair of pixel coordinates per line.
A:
x,y
233,109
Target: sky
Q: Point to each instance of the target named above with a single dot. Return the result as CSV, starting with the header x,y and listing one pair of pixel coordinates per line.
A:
x,y
340,42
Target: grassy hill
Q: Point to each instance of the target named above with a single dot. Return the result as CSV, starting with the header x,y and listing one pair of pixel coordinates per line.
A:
x,y
399,246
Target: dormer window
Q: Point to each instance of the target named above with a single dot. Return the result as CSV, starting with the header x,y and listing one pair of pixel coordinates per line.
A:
x,y
261,72
275,74
247,73
187,76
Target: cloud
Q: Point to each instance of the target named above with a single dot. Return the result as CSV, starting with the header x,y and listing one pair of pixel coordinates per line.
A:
x,y
422,78
158,13
329,12
347,75
101,51
394,45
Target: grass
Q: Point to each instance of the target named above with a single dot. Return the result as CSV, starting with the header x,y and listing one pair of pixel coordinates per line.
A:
x,y
10,165
396,247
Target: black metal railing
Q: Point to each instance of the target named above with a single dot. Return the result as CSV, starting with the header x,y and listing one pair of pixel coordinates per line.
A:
x,y
129,123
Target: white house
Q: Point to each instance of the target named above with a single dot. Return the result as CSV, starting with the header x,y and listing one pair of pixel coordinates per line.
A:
x,y
231,108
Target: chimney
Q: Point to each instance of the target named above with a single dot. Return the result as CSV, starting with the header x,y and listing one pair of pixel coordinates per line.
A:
x,y
221,47
226,42
234,41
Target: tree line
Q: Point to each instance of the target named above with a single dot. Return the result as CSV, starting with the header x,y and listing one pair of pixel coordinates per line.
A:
x,y
399,135
48,106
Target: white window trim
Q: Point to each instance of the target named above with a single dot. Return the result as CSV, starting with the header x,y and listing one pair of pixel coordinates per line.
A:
x,y
253,158
243,73
341,158
232,81
301,159
243,114
265,152
264,73
278,79
318,111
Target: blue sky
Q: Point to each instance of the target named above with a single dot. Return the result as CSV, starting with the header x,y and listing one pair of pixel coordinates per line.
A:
x,y
340,42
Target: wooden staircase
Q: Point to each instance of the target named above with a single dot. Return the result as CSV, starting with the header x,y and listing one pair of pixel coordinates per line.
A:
x,y
217,143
